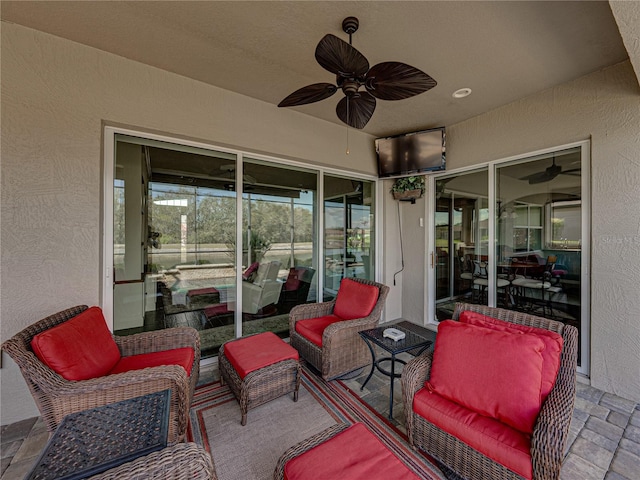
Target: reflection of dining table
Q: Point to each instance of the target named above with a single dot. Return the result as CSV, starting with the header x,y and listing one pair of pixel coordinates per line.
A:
x,y
519,268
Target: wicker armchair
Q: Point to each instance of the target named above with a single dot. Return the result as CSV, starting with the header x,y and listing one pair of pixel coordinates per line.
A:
x,y
57,397
343,350
183,461
549,437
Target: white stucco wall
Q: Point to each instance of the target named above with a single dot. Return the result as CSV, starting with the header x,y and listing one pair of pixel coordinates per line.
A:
x,y
605,108
56,94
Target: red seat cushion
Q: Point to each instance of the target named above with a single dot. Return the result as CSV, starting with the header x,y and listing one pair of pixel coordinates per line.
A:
x,y
498,441
497,374
213,310
313,328
202,291
176,356
355,299
353,454
552,344
258,351
80,348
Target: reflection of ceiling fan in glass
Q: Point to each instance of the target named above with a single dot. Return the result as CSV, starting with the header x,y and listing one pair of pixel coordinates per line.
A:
x,y
551,172
230,169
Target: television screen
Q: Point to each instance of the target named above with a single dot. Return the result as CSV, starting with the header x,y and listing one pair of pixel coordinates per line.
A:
x,y
411,153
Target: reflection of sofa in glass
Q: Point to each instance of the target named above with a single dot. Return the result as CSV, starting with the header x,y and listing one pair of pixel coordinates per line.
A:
x,y
264,290
296,289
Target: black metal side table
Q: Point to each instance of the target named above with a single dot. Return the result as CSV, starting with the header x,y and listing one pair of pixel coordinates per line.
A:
x,y
92,441
413,343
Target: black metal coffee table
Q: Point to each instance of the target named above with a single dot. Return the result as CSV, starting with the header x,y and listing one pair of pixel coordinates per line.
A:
x,y
92,441
412,343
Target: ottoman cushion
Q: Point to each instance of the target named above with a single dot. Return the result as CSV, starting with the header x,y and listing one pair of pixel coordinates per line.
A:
x,y
258,351
354,454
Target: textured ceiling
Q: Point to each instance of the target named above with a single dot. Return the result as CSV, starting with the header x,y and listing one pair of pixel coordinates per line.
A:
x,y
503,51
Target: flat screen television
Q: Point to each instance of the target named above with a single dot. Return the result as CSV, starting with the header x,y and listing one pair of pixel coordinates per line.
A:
x,y
411,153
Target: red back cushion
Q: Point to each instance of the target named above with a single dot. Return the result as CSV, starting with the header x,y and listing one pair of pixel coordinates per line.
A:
x,y
355,299
497,374
293,280
552,344
80,348
250,271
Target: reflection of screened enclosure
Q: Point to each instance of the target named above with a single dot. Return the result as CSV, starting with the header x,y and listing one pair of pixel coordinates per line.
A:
x,y
349,234
194,225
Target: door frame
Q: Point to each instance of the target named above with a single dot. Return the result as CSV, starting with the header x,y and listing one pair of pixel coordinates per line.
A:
x,y
585,294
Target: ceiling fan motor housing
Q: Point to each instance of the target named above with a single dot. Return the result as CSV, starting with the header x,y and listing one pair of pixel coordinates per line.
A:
x,y
350,25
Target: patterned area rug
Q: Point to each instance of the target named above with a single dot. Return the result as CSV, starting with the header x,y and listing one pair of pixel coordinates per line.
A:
x,y
251,452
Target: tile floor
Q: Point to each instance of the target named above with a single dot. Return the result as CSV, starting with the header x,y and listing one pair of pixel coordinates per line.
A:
x,y
604,441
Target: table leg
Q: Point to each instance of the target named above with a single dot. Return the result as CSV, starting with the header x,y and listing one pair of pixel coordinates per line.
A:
x,y
393,380
373,362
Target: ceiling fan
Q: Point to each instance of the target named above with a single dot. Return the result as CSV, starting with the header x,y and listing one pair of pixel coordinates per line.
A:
x,y
551,172
386,81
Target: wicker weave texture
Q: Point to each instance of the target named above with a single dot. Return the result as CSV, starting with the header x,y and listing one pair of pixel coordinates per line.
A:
x,y
57,397
183,461
260,386
550,433
343,350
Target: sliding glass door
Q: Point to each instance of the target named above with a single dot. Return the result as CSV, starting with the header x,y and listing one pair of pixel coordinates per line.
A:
x,y
461,240
222,242
539,233
513,235
349,226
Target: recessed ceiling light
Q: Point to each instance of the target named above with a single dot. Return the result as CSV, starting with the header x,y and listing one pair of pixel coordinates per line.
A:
x,y
461,93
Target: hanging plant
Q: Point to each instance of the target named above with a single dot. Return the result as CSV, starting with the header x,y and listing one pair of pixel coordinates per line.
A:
x,y
408,188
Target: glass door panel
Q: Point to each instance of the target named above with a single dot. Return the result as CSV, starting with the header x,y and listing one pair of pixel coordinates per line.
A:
x,y
172,232
279,259
539,234
461,241
349,240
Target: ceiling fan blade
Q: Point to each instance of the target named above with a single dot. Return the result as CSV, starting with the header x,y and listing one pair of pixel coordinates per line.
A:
x,y
576,172
309,94
337,56
396,80
356,110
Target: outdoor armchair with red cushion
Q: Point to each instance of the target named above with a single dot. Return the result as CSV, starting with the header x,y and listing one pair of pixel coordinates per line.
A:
x,y
72,362
326,334
495,397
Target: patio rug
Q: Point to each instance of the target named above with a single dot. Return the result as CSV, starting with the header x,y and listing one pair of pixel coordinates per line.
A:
x,y
251,452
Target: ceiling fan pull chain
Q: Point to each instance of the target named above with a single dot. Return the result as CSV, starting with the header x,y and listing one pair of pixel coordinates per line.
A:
x,y
348,125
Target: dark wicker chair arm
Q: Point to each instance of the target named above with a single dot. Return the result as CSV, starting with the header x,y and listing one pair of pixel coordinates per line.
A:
x,y
159,340
414,374
309,310
184,461
550,434
305,446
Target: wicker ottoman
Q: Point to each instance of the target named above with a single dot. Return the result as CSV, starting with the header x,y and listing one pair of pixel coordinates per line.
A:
x,y
342,451
259,368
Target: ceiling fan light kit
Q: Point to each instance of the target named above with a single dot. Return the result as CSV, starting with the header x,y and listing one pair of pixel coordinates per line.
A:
x,y
360,84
